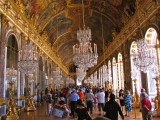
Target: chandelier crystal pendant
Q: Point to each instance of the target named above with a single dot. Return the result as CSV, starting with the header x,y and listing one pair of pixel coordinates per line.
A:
x,y
144,57
57,74
28,59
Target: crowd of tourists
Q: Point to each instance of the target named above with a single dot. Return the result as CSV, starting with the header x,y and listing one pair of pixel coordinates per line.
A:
x,y
80,102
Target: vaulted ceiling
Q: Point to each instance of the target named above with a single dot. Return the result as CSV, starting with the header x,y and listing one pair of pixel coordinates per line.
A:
x,y
59,21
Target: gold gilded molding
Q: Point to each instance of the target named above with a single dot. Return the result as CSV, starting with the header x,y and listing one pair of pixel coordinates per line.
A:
x,y
12,13
147,11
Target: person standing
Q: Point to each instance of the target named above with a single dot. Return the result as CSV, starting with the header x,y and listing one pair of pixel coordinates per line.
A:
x,y
128,102
106,94
101,100
73,102
112,108
143,91
48,101
90,99
146,107
82,112
81,95
121,99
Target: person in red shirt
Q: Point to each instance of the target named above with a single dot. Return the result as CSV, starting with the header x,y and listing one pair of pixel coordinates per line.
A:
x,y
146,107
81,95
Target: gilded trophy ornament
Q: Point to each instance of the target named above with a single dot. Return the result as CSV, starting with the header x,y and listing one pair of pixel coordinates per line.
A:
x,y
12,112
157,98
136,96
30,105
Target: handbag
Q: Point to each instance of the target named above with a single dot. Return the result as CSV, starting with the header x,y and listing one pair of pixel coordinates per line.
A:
x,y
150,112
59,112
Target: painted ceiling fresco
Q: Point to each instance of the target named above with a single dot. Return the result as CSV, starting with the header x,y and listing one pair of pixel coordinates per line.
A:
x,y
57,26
114,13
95,23
43,11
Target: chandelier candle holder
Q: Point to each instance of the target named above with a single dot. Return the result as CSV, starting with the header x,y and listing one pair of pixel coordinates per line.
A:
x,y
30,105
28,64
12,112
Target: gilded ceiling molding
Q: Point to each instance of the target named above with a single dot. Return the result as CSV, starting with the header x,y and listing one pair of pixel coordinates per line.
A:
x,y
15,16
146,12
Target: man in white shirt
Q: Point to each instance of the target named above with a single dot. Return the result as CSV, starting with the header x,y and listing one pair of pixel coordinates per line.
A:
x,y
101,100
89,99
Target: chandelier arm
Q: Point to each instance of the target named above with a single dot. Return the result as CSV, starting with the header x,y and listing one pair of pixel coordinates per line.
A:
x,y
102,36
139,19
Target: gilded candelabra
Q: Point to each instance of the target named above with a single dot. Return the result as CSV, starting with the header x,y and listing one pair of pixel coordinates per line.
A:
x,y
157,98
107,84
111,86
136,96
30,106
12,112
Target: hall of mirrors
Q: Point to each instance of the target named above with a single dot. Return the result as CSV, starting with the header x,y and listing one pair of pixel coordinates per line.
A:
x,y
36,48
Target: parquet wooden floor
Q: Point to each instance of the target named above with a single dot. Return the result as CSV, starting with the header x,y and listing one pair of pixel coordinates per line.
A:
x,y
41,114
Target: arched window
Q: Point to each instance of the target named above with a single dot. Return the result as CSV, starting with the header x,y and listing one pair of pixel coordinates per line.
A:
x,y
151,38
135,73
115,82
120,72
12,60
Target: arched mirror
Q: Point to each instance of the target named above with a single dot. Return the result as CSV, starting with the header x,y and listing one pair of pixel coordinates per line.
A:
x,y
11,61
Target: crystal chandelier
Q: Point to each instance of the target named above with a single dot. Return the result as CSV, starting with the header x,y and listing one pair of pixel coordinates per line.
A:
x,y
81,73
57,74
144,57
70,80
84,55
28,58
